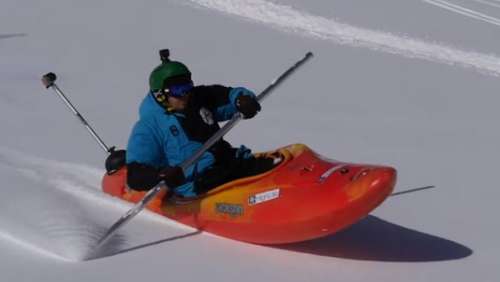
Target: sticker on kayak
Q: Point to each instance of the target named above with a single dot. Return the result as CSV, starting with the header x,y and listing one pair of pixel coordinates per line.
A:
x,y
230,209
264,197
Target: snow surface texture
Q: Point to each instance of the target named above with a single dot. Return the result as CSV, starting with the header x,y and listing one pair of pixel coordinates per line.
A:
x,y
288,19
467,12
419,92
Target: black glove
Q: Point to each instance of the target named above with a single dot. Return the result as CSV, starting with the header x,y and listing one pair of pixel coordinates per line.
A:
x,y
141,177
248,106
173,176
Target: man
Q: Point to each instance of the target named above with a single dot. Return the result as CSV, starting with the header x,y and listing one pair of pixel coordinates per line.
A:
x,y
175,119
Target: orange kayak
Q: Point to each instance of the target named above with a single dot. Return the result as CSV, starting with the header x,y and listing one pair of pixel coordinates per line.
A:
x,y
306,196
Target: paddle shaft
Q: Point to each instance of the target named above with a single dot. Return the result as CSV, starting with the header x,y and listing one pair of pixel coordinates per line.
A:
x,y
237,117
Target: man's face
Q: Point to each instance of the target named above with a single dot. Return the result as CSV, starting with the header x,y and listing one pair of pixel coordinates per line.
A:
x,y
178,95
178,103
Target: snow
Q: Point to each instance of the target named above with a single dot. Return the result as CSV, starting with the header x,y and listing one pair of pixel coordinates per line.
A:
x,y
401,83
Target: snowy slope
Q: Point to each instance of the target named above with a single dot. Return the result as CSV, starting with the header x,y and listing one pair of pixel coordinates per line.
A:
x,y
412,84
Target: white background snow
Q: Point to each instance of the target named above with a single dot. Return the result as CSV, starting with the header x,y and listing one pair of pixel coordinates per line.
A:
x,y
412,84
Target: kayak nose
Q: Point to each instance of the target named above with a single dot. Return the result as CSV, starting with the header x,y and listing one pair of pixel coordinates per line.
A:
x,y
383,179
372,180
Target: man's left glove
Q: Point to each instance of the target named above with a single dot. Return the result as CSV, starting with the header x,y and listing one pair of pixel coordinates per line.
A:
x,y
248,106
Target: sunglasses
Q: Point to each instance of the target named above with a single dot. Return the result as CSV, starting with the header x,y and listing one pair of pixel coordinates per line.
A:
x,y
179,90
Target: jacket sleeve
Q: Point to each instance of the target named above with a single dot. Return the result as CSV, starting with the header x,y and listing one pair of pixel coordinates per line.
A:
x,y
143,157
221,100
143,145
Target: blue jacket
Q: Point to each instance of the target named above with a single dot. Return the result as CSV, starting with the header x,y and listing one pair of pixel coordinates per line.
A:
x,y
159,139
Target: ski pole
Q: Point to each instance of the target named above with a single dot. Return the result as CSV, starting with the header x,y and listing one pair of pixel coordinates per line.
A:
x,y
219,134
49,81
116,158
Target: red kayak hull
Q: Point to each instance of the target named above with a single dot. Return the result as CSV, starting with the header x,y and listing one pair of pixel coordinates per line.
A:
x,y
305,197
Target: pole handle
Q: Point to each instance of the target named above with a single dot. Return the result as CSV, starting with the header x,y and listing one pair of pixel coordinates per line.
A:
x,y
49,79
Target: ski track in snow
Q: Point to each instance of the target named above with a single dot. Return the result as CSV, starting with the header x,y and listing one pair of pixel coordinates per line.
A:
x,y
488,3
58,209
464,11
288,19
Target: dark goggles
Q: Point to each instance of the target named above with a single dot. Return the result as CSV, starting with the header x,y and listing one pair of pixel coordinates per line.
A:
x,y
179,90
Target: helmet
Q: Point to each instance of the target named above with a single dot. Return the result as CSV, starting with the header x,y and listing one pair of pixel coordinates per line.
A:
x,y
169,72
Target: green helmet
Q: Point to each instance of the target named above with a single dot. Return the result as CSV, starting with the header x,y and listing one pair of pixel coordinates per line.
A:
x,y
168,71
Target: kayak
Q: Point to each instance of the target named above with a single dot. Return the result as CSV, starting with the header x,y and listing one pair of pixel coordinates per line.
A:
x,y
305,196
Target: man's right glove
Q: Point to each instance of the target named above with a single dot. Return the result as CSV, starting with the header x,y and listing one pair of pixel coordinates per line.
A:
x,y
248,106
142,177
173,176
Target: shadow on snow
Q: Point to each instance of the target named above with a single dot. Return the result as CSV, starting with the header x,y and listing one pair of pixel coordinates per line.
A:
x,y
115,249
5,36
371,239
374,239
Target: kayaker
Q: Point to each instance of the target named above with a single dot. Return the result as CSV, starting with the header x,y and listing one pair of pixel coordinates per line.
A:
x,y
175,119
